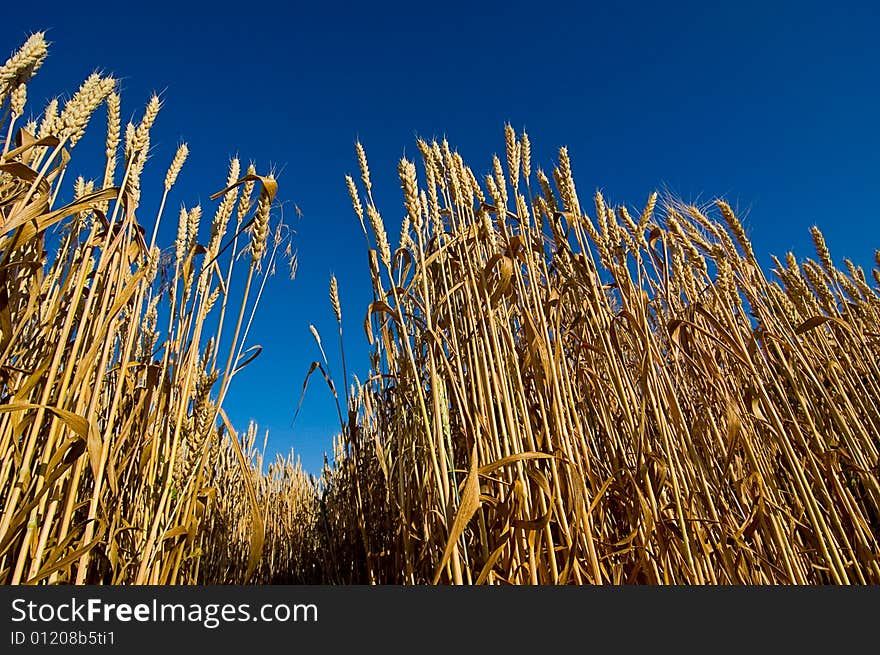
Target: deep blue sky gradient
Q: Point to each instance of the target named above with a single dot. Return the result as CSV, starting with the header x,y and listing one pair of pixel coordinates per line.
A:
x,y
771,105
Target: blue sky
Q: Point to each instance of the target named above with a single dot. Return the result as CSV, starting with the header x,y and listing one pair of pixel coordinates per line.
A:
x,y
772,105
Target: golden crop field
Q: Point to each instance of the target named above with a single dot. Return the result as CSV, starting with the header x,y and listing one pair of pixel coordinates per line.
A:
x,y
560,391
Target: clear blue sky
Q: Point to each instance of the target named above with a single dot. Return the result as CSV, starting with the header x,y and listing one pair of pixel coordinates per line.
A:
x,y
774,106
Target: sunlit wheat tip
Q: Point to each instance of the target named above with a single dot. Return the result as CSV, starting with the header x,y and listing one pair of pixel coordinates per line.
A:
x,y
362,162
822,251
546,189
474,185
647,212
244,202
425,149
82,105
176,164
129,140
18,99
499,179
79,187
849,288
334,299
182,235
627,220
407,172
50,118
858,275
463,182
526,156
492,187
566,183
433,210
193,219
260,228
736,227
224,211
315,334
355,200
405,238
134,178
381,236
146,124
113,135
437,156
23,64
815,276
209,304
791,262
152,265
601,216
513,152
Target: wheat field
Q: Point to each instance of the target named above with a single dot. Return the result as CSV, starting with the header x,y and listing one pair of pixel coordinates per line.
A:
x,y
561,390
